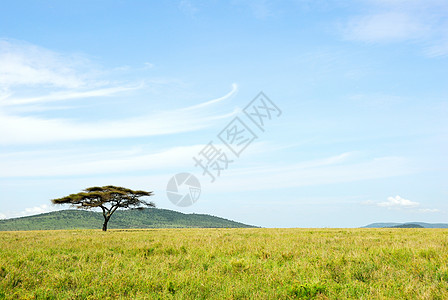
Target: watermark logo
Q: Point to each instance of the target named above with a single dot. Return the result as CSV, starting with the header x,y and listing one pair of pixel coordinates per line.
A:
x,y
213,160
183,189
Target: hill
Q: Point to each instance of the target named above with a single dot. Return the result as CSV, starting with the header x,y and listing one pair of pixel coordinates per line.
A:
x,y
148,218
410,225
407,225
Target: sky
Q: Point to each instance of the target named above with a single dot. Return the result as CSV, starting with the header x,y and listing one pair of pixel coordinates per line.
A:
x,y
351,127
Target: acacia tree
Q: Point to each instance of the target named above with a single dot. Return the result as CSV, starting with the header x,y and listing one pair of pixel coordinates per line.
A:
x,y
108,198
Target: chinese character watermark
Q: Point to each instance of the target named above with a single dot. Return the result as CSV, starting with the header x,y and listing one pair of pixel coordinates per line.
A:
x,y
212,160
261,108
237,136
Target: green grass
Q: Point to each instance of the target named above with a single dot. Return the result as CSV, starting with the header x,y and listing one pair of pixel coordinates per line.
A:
x,y
225,264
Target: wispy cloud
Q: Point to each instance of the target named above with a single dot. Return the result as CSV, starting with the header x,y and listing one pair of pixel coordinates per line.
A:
x,y
261,8
188,8
24,65
217,100
330,170
421,22
148,65
29,130
67,95
376,100
94,161
385,27
429,210
438,49
30,74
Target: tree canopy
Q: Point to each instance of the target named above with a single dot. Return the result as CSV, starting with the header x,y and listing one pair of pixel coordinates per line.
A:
x,y
108,198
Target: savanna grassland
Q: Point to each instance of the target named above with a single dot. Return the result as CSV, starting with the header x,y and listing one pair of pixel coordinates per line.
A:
x,y
225,264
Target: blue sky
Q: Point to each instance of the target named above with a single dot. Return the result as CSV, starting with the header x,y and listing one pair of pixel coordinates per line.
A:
x,y
127,93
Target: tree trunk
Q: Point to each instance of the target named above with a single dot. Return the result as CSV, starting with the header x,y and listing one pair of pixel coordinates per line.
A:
x,y
106,219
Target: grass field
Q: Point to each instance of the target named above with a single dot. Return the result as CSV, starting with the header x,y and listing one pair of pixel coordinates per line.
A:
x,y
225,264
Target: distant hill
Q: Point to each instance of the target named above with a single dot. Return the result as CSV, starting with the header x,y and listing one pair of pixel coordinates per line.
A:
x,y
148,218
410,225
407,225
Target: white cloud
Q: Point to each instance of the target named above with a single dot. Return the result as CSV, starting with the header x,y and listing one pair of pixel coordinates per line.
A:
x,y
429,210
187,7
29,211
29,130
422,22
148,65
24,64
439,49
261,9
397,201
93,161
377,101
214,101
327,170
66,95
424,5
385,27
36,210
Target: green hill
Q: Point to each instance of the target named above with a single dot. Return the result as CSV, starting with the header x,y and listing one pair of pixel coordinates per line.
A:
x,y
148,218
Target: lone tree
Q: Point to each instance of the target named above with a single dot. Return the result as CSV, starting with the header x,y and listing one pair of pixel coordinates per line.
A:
x,y
108,198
